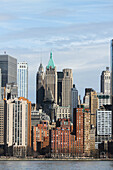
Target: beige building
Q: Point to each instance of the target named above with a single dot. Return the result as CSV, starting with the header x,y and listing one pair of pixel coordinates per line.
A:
x,y
2,117
86,129
67,84
62,112
93,107
51,78
92,139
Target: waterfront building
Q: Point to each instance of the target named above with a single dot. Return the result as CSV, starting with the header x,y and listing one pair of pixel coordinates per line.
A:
x,y
78,129
74,100
51,79
62,142
8,67
86,132
40,136
40,91
62,112
2,123
19,123
104,125
0,82
92,140
106,81
67,85
23,80
112,81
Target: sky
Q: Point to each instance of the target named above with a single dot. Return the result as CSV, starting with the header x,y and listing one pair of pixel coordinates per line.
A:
x,y
77,31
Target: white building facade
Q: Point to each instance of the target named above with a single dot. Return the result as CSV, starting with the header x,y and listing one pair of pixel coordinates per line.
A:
x,y
23,79
104,125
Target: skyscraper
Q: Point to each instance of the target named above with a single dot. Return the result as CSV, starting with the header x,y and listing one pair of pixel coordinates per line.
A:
x,y
23,79
67,84
8,67
105,81
19,123
0,83
40,91
74,100
51,78
60,76
112,81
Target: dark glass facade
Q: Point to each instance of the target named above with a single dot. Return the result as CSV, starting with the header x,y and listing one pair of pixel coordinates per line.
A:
x,y
8,67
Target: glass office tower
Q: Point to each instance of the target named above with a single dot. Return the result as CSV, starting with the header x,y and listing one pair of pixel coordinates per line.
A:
x,y
8,67
23,80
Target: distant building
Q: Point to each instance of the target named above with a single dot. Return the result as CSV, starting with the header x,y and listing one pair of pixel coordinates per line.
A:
x,y
93,107
78,129
62,112
106,81
104,125
3,124
74,100
19,123
67,84
104,99
8,67
51,78
40,91
0,82
62,141
23,79
112,82
40,136
60,76
86,131
10,92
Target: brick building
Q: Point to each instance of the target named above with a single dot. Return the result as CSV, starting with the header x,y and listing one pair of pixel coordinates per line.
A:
x,y
40,136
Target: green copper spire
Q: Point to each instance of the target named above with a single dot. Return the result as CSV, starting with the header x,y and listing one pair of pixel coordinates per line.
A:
x,y
51,63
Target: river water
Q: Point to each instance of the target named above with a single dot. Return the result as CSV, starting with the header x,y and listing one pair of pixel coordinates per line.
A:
x,y
56,165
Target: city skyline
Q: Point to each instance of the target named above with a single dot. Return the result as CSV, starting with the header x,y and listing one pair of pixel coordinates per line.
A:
x,y
79,34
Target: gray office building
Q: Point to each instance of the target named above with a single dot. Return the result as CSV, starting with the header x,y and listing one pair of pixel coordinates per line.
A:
x,y
112,81
8,67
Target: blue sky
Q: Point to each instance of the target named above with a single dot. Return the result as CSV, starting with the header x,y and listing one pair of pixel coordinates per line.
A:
x,y
77,31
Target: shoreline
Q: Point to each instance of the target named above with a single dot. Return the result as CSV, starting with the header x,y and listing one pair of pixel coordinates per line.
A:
x,y
55,159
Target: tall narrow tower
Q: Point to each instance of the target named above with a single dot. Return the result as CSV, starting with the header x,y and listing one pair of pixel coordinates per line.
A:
x,y
105,81
67,84
51,78
23,79
40,86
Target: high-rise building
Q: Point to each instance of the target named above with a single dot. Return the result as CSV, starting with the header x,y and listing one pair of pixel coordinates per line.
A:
x,y
3,121
40,91
8,67
78,128
74,100
0,83
19,122
60,76
93,107
67,84
104,124
86,131
105,81
23,79
51,78
112,81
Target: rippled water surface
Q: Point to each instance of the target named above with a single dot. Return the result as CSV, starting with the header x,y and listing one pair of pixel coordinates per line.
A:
x,y
56,165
